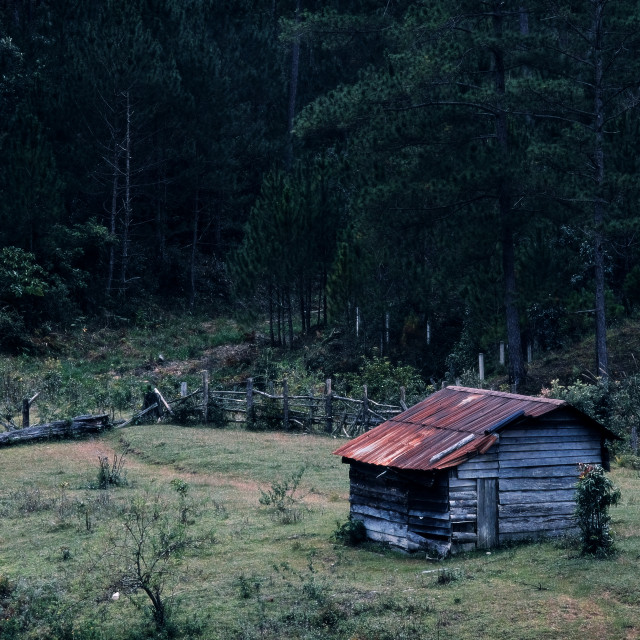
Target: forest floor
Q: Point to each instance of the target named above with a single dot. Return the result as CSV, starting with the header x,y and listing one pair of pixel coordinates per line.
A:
x,y
185,345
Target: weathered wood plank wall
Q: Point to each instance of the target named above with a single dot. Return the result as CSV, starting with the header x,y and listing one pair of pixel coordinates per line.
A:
x,y
538,473
406,509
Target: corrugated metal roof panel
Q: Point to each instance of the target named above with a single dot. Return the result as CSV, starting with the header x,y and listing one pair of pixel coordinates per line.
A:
x,y
443,430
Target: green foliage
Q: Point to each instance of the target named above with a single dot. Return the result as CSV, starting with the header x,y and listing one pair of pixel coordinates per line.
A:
x,y
266,416
22,280
350,533
384,379
614,403
595,493
629,461
146,550
112,474
20,275
447,575
463,357
281,498
592,399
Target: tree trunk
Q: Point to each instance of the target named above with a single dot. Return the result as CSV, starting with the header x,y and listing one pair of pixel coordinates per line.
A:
x,y
301,302
289,317
128,209
517,371
114,213
602,358
280,305
293,90
161,214
271,332
194,251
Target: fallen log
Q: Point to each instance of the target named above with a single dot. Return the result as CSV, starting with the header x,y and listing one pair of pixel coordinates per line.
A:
x,y
73,428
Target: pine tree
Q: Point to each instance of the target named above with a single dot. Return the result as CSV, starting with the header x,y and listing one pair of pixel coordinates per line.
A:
x,y
590,61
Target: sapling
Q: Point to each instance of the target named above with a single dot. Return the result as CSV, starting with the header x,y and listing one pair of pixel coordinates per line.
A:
x,y
147,548
281,497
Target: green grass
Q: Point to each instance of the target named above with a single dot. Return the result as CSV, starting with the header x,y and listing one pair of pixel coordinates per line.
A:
x,y
90,370
264,579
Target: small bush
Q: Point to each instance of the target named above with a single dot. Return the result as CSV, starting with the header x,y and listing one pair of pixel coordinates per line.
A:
x,y
266,416
447,575
282,499
27,501
350,533
112,473
248,587
6,587
595,493
629,461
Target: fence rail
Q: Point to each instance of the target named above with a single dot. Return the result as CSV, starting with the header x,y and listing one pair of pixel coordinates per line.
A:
x,y
326,412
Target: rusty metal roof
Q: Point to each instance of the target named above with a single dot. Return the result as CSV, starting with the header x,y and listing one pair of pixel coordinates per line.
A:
x,y
445,429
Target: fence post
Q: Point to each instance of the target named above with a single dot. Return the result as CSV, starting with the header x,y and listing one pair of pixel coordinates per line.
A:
x,y
311,409
328,407
365,409
529,353
481,365
285,404
501,352
205,395
249,398
403,399
25,412
183,389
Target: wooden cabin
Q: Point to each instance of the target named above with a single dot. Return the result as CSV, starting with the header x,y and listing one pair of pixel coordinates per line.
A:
x,y
471,469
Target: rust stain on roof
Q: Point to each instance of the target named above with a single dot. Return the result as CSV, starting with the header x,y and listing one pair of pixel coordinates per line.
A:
x,y
445,429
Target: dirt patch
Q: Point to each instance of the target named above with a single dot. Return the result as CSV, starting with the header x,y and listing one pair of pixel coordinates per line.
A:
x,y
224,356
586,613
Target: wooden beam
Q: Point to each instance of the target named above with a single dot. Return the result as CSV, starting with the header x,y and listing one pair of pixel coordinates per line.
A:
x,y
162,400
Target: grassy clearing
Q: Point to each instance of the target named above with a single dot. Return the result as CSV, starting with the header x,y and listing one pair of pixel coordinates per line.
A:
x,y
259,578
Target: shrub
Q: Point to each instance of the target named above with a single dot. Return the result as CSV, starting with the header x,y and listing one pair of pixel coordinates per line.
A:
x,y
629,461
350,533
384,379
282,499
147,547
111,473
595,493
448,575
267,416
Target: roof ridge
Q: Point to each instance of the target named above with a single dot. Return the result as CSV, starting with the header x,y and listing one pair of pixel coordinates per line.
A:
x,y
504,394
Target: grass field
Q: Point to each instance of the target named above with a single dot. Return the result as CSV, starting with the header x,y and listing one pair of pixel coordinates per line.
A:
x,y
253,576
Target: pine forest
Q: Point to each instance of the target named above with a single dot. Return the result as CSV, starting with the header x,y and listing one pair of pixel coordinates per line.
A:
x,y
431,178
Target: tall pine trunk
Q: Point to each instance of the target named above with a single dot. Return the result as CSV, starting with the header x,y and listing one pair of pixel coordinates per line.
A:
x,y
517,371
194,251
128,207
602,356
293,91
113,214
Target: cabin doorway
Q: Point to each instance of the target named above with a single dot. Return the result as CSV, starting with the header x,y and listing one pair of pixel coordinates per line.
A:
x,y
487,513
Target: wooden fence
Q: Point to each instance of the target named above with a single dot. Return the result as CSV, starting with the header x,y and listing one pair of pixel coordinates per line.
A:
x,y
327,412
